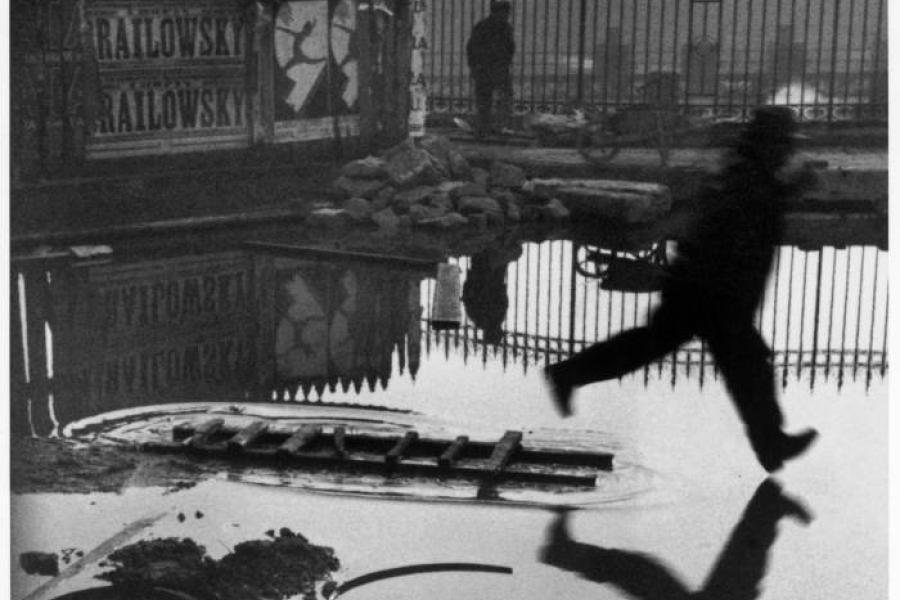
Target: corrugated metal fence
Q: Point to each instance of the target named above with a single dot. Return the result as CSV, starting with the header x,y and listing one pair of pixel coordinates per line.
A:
x,y
825,58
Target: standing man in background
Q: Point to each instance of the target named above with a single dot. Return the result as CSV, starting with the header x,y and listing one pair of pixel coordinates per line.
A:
x,y
490,52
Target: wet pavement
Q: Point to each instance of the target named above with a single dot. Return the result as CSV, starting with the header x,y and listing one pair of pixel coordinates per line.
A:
x,y
686,510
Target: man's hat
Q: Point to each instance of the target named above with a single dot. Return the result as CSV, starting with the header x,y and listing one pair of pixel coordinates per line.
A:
x,y
500,5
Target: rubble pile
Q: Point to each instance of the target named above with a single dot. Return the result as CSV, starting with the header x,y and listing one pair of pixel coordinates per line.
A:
x,y
427,183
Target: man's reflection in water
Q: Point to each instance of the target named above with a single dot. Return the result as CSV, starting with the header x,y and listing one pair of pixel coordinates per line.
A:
x,y
484,291
735,576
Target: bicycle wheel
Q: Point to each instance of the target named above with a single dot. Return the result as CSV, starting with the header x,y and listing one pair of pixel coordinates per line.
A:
x,y
596,144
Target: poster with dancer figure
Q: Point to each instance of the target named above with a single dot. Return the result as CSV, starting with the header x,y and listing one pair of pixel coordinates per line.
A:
x,y
315,54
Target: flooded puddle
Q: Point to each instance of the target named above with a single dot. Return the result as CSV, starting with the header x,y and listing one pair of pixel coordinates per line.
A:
x,y
122,350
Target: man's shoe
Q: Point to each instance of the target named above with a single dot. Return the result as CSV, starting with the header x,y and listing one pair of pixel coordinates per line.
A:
x,y
785,448
561,390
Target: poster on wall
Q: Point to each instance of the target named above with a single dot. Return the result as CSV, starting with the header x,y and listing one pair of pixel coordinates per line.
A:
x,y
316,69
170,77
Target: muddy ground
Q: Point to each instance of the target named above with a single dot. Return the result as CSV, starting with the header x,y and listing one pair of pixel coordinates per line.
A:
x,y
42,465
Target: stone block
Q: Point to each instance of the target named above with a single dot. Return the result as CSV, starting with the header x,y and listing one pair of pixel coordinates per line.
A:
x,y
405,198
422,212
387,220
408,166
383,197
449,221
352,187
440,200
359,209
365,168
328,218
506,175
468,189
554,210
478,204
480,175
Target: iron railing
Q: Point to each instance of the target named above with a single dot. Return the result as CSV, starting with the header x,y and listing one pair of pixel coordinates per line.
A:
x,y
827,59
824,314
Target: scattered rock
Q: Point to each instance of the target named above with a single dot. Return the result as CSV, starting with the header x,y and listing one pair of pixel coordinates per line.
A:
x,y
441,200
554,210
358,188
513,212
448,221
439,147
359,209
181,517
421,212
506,175
330,218
198,514
404,199
409,166
479,204
481,176
503,196
387,220
449,186
364,168
468,189
40,563
479,220
383,197
459,166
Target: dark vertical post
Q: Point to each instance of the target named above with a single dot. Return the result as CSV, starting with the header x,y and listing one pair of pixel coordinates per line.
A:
x,y
582,32
37,306
806,16
834,48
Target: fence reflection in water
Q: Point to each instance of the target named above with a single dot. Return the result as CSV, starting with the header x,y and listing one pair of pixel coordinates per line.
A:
x,y
824,314
88,342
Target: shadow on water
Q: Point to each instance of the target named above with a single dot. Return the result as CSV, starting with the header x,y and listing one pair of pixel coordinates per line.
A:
x,y
90,336
736,574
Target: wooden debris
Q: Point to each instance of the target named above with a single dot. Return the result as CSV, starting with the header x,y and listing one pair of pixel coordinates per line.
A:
x,y
400,448
449,456
504,450
246,436
204,431
300,439
340,443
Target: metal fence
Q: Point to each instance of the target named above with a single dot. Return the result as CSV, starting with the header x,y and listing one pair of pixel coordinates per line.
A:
x,y
824,314
827,59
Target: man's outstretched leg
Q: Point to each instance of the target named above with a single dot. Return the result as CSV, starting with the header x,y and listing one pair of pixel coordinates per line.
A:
x,y
744,360
669,328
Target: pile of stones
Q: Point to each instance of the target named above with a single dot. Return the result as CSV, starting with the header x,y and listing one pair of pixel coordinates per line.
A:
x,y
427,183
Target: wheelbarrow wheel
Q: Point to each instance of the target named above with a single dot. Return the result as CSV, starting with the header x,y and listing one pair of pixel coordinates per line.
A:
x,y
596,144
591,261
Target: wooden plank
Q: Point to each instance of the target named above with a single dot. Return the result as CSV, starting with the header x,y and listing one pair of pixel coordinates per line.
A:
x,y
204,431
246,436
503,450
449,456
400,448
300,439
340,443
330,254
